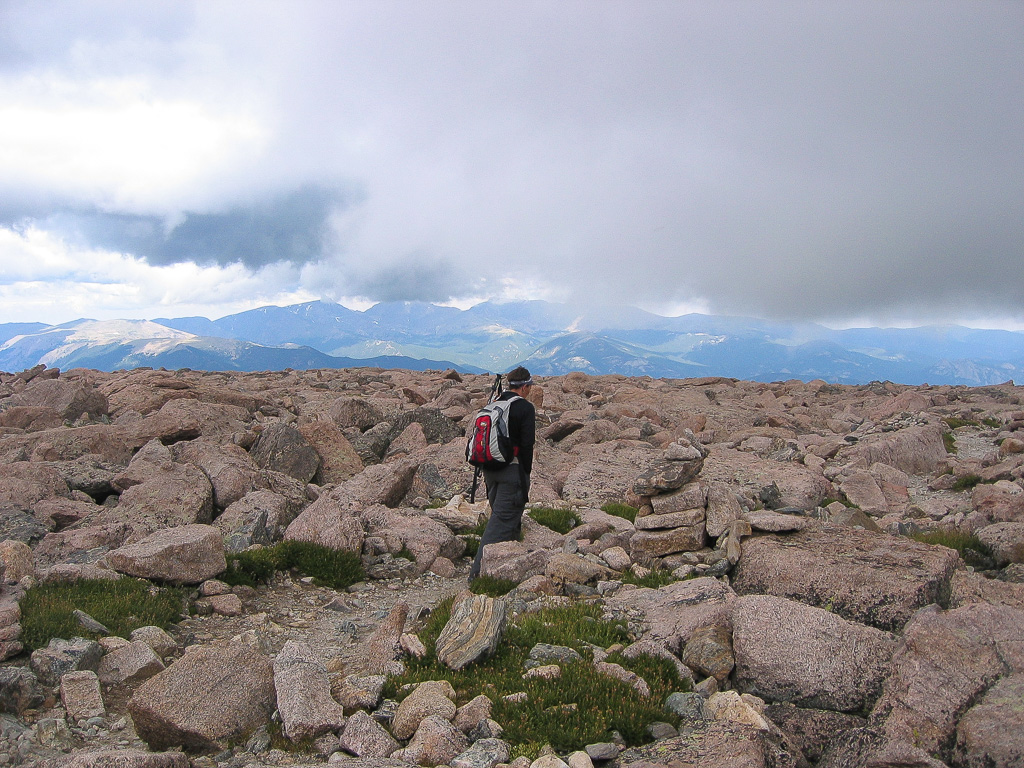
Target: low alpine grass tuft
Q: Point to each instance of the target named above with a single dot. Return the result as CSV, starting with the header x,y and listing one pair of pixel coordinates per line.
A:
x,y
624,511
121,606
333,568
558,520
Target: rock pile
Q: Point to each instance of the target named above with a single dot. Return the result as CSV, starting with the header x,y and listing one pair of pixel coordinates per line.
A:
x,y
814,629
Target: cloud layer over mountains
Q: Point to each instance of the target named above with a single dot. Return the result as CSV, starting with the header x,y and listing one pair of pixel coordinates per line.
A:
x,y
841,162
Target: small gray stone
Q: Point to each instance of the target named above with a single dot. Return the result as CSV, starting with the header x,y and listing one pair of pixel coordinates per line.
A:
x,y
543,654
604,750
485,753
88,623
659,731
688,706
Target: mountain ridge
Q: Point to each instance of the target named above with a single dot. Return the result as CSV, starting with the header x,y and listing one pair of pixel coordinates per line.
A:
x,y
549,337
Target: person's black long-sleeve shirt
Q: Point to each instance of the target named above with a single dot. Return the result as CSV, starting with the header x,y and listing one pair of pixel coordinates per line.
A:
x,y
522,428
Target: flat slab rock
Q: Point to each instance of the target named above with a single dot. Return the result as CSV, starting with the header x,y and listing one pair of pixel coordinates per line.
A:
x,y
875,579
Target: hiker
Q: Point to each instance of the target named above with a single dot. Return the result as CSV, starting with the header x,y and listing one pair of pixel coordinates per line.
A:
x,y
508,488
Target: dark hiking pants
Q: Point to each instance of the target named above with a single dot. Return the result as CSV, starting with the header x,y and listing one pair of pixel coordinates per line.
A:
x,y
507,497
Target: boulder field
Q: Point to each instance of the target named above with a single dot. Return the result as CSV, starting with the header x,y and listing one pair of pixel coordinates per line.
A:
x,y
816,628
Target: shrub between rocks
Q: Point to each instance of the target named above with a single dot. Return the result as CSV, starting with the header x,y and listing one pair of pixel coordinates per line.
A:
x,y
492,586
333,568
121,606
580,707
559,520
625,511
964,543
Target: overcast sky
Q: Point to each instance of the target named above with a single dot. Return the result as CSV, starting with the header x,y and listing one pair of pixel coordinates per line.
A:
x,y
845,162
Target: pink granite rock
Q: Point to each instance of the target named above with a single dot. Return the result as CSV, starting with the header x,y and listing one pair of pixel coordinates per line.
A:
x,y
788,651
206,698
189,554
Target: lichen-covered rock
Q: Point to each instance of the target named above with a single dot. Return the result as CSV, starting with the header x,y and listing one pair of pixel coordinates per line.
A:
x,y
990,733
283,448
709,652
667,476
946,660
16,560
19,690
1005,540
62,656
867,577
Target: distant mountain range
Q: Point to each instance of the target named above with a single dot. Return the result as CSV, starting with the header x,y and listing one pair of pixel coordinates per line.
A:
x,y
549,338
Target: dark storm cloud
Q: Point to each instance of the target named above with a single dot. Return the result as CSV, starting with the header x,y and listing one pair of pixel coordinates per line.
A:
x,y
416,278
294,227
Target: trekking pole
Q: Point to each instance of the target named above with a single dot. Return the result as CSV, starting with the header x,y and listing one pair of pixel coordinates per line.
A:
x,y
495,393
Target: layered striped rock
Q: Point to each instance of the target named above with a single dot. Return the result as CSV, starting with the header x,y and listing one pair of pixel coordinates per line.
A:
x,y
473,631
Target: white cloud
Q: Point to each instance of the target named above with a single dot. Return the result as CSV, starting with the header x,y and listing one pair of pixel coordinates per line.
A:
x,y
43,279
117,142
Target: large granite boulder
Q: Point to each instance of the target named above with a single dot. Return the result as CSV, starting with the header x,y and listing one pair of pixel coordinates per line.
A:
x,y
70,400
229,468
209,696
430,699
159,492
1005,540
329,523
876,579
339,461
606,472
788,651
798,485
990,733
23,483
283,448
189,554
916,450
414,530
